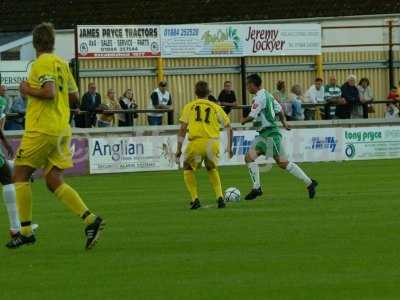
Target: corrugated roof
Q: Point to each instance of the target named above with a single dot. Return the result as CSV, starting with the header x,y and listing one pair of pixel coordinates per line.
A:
x,y
7,37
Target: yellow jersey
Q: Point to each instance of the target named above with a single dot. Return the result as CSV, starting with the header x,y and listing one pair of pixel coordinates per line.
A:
x,y
204,119
44,115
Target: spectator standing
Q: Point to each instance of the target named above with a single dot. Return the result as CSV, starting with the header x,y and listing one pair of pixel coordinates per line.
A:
x,y
110,103
4,106
333,95
366,99
91,101
314,95
126,101
350,98
159,99
227,97
296,100
280,95
398,89
18,106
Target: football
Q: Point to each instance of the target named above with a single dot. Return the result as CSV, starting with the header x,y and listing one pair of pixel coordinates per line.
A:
x,y
232,194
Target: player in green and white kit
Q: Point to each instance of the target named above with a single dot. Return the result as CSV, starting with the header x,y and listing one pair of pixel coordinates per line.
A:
x,y
263,115
6,169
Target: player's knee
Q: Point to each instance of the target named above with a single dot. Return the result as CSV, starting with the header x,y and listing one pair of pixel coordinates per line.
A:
x,y
21,174
282,164
248,158
187,167
6,179
210,167
53,181
53,184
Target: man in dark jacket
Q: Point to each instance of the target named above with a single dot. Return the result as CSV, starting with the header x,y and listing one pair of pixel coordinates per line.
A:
x,y
91,101
227,97
350,97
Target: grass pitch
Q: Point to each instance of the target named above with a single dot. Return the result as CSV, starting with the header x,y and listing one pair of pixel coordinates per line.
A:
x,y
342,245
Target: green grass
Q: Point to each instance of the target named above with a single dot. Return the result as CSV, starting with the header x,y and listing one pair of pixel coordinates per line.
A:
x,y
343,245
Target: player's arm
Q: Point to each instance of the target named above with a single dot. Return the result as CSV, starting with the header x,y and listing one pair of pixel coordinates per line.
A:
x,y
279,111
184,120
283,120
6,144
229,133
46,92
255,110
181,137
73,93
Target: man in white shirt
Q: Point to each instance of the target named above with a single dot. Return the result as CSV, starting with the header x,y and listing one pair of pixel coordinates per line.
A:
x,y
315,95
159,99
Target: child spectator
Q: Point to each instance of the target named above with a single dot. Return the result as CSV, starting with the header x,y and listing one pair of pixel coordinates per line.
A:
x,y
280,95
392,111
109,119
227,97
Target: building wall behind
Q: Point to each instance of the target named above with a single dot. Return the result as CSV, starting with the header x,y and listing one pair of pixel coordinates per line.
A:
x,y
182,74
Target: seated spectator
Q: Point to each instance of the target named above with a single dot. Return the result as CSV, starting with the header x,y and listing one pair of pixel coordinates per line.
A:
x,y
393,94
333,95
91,101
159,99
398,89
315,95
280,95
227,97
296,99
110,103
126,101
4,105
392,110
18,106
366,98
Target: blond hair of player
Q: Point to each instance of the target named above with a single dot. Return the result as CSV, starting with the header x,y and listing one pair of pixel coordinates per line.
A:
x,y
46,140
202,120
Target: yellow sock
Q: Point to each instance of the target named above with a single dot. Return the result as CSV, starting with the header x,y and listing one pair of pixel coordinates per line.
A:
x,y
24,205
73,201
215,181
191,183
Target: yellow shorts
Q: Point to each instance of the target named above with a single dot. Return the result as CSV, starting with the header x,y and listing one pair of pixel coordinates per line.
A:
x,y
38,150
202,150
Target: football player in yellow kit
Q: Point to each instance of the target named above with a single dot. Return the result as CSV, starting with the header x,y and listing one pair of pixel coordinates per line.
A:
x,y
202,119
45,143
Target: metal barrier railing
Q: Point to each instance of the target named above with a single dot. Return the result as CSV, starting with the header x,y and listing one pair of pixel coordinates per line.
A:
x,y
170,112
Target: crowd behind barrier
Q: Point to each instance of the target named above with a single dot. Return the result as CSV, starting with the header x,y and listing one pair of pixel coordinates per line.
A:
x,y
350,100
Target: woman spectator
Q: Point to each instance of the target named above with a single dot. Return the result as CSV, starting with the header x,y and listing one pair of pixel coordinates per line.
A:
x,y
126,101
280,95
366,98
296,101
108,119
